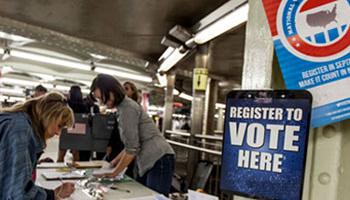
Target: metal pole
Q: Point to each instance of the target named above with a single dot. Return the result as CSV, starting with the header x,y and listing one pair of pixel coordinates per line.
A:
x,y
258,53
220,123
197,110
169,98
211,96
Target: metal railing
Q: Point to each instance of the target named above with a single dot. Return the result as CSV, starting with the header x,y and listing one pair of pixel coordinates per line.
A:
x,y
211,151
210,137
195,148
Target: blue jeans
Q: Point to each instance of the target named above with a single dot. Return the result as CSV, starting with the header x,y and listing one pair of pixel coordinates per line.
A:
x,y
160,175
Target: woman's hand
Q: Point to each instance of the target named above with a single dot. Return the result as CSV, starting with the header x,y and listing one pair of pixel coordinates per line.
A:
x,y
64,190
119,164
116,160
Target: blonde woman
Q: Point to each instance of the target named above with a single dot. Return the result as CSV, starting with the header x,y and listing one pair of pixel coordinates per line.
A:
x,y
24,129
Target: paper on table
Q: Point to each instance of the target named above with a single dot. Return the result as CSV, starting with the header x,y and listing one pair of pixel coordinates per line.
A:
x,y
52,165
193,195
103,171
62,175
107,169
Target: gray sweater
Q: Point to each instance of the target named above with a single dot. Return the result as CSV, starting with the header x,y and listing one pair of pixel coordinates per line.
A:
x,y
140,135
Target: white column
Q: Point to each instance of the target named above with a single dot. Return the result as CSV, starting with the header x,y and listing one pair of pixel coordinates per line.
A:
x,y
327,172
258,53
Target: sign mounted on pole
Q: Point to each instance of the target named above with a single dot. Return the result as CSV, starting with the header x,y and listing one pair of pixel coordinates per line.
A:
x,y
265,143
200,78
312,42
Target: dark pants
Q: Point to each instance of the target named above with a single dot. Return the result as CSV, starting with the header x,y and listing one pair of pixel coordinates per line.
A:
x,y
160,175
84,155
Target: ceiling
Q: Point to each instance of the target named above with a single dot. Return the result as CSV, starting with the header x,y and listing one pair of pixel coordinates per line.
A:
x,y
128,32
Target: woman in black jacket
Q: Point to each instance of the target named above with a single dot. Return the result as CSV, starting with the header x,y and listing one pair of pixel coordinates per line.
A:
x,y
75,101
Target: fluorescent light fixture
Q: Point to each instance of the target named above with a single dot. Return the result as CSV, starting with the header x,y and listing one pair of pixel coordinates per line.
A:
x,y
65,88
11,91
3,98
186,96
14,81
220,105
97,56
6,69
162,79
179,115
13,37
225,23
88,83
155,108
11,98
78,65
151,113
126,75
62,88
146,64
45,77
47,85
166,53
50,60
21,82
6,54
85,91
174,57
116,68
17,98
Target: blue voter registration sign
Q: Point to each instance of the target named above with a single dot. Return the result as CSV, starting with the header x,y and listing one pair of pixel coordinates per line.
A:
x,y
265,143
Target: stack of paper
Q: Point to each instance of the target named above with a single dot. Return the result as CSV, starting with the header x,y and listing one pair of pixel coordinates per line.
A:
x,y
62,175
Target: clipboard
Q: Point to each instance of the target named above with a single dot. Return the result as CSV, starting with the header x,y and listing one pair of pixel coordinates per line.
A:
x,y
90,164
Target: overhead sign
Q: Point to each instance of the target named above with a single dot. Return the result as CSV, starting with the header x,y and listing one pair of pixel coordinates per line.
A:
x,y
265,143
312,41
200,78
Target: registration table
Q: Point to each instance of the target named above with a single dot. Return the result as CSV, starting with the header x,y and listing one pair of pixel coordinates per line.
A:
x,y
127,189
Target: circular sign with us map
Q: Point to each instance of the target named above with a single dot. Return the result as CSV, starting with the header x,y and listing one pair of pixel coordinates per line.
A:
x,y
316,30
